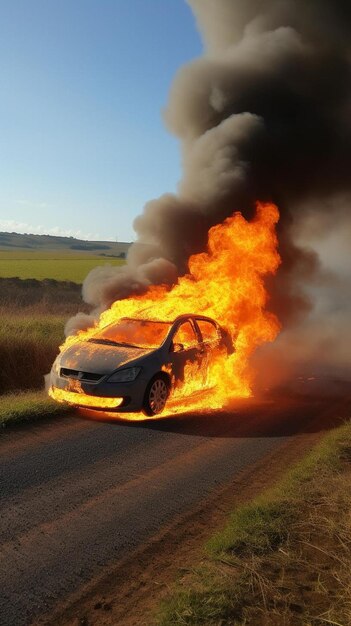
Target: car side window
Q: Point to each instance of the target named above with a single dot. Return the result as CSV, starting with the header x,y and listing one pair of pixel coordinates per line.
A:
x,y
208,330
185,336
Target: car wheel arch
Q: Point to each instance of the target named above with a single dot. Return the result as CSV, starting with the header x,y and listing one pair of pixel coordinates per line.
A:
x,y
161,374
147,410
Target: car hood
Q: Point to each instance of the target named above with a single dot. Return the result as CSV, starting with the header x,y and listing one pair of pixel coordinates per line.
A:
x,y
100,359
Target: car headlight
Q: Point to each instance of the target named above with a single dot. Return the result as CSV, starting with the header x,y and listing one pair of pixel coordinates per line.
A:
x,y
124,376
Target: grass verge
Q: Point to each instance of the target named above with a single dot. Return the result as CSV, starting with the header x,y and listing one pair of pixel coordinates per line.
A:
x,y
16,408
283,559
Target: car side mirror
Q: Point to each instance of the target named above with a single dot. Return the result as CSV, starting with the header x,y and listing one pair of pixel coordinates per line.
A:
x,y
177,347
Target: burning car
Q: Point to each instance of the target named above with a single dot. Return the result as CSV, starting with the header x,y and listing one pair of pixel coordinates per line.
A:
x,y
135,364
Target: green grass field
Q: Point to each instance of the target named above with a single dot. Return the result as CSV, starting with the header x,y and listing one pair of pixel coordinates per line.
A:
x,y
57,265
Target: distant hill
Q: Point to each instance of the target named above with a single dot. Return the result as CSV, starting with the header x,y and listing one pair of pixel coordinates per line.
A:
x,y
16,241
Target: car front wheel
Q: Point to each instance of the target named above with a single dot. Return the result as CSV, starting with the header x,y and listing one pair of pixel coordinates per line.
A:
x,y
156,396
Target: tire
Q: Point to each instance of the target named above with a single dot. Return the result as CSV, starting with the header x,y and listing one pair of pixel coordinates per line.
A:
x,y
156,396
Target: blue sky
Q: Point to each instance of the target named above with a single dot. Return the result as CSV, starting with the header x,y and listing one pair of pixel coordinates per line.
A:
x,y
83,145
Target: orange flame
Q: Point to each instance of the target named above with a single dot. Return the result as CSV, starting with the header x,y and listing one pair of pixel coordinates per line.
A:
x,y
83,400
225,283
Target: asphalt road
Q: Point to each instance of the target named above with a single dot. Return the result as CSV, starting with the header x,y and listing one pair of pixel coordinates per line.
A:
x,y
77,495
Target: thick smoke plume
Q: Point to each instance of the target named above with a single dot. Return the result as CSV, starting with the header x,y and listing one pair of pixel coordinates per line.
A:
x,y
264,115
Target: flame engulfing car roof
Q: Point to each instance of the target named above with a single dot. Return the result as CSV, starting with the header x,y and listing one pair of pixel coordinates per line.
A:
x,y
178,318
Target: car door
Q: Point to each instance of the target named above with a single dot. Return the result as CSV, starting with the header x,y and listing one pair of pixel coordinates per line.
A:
x,y
185,352
209,339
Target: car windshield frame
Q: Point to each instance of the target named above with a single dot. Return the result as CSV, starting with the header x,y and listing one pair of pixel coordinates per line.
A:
x,y
109,334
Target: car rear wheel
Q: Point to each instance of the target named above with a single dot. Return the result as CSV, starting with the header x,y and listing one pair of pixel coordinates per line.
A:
x,y
156,396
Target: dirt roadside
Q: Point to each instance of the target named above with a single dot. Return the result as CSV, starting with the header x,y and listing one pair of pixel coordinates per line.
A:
x,y
126,593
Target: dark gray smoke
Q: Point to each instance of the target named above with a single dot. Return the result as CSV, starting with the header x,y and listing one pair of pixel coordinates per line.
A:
x,y
264,114
314,356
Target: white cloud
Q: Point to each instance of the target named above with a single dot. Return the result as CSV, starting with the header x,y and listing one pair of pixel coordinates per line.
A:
x,y
30,204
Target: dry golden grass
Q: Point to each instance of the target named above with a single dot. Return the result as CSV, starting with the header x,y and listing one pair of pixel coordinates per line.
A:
x,y
33,314
307,580
35,297
28,347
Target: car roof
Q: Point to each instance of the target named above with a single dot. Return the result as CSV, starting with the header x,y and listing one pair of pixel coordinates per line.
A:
x,y
179,318
194,316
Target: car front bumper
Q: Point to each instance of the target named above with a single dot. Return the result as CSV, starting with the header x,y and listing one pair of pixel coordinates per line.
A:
x,y
129,396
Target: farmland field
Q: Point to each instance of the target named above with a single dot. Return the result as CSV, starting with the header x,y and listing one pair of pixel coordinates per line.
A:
x,y
39,290
50,264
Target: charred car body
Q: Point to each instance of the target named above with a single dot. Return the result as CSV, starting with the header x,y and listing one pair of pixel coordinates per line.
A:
x,y
138,362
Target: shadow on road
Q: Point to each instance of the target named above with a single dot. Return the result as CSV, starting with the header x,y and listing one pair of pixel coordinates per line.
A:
x,y
85,439
278,417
